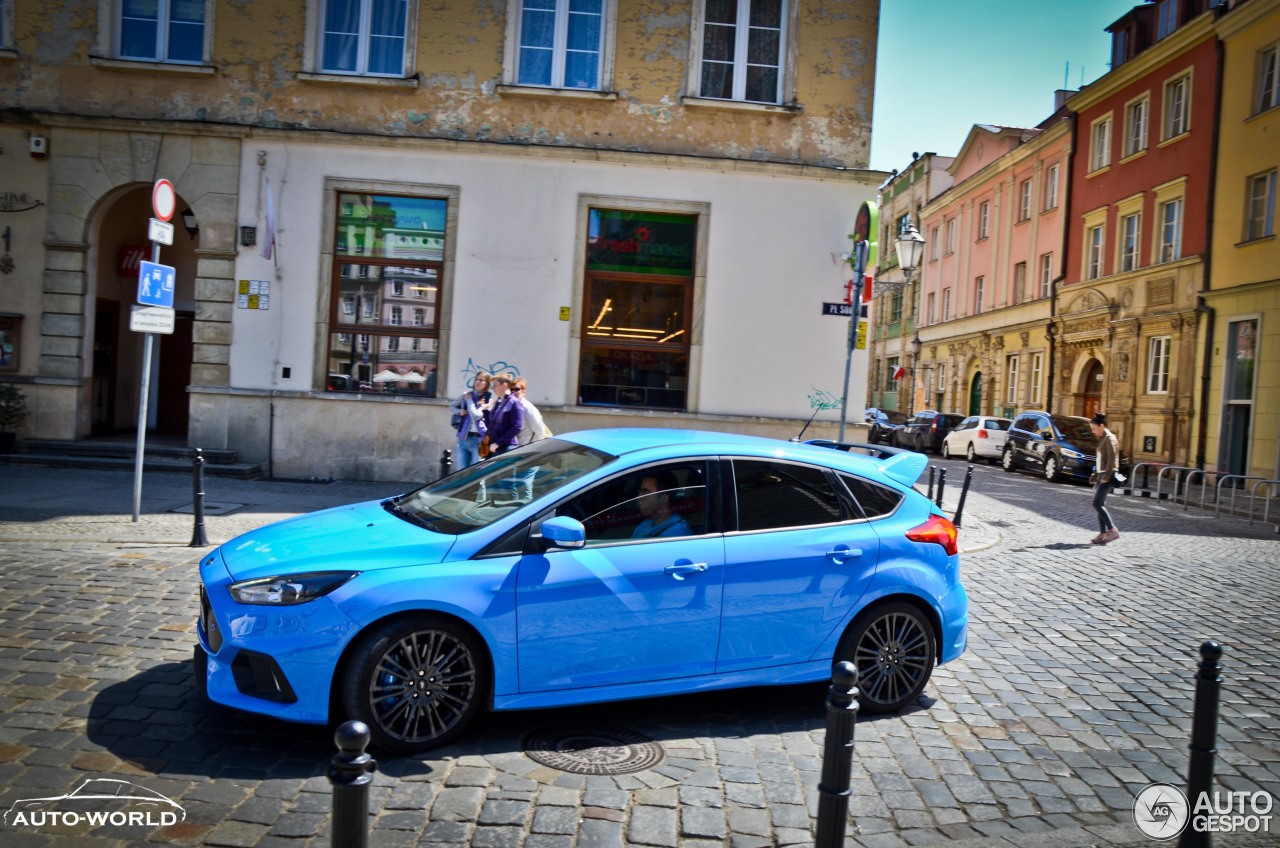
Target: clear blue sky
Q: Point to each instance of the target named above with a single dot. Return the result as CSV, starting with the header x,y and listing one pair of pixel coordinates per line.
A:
x,y
945,65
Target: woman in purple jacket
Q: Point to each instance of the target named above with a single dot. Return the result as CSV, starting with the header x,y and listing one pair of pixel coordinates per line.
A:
x,y
504,420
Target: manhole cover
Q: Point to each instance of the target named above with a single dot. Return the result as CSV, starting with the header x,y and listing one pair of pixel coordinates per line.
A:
x,y
593,750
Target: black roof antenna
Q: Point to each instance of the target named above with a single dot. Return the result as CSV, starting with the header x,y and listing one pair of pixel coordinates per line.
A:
x,y
806,424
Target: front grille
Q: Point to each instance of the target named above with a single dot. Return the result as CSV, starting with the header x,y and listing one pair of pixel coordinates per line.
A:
x,y
212,631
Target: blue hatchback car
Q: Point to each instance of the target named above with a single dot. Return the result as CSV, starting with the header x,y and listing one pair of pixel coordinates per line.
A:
x,y
597,566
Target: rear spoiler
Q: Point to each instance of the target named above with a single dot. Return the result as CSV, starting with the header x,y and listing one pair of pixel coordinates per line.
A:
x,y
902,465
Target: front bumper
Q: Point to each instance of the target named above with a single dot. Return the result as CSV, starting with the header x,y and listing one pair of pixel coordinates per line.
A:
x,y
1080,468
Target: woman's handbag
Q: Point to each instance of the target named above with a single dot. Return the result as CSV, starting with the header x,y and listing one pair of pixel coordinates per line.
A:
x,y
455,421
484,449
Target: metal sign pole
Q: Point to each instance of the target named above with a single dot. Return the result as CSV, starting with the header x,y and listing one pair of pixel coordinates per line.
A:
x,y
859,269
142,408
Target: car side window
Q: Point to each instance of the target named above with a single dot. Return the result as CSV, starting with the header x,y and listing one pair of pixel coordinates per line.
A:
x,y
1026,423
968,424
874,500
657,502
772,495
995,424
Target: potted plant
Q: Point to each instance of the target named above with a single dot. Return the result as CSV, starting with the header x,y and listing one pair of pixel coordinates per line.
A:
x,y
13,414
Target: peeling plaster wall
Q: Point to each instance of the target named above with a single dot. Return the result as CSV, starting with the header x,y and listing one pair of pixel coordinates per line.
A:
x,y
258,51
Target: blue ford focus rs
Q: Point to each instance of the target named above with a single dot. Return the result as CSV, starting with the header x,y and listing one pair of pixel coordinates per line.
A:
x,y
602,565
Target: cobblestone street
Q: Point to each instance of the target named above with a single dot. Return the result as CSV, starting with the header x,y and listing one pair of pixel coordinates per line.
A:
x,y
1073,695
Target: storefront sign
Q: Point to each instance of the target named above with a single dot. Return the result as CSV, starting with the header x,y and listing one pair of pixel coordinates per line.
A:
x,y
18,201
643,242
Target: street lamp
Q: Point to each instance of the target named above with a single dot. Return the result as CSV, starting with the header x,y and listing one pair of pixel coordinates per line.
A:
x,y
910,245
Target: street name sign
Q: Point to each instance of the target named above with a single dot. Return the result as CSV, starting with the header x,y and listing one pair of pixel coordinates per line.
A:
x,y
151,319
155,284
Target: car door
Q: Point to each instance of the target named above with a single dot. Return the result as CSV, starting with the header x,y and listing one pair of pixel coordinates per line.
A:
x,y
796,563
624,609
1043,441
1020,439
960,438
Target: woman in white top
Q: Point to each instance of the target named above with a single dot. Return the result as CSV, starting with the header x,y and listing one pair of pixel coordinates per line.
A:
x,y
534,429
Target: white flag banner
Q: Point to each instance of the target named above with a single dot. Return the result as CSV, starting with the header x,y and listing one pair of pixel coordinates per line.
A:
x,y
269,243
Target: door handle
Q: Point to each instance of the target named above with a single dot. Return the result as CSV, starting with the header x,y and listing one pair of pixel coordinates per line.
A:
x,y
680,569
843,552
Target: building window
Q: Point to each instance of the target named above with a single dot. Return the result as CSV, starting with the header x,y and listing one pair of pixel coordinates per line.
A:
x,y
1037,370
1177,107
160,31
951,235
935,247
979,291
1046,274
940,372
1019,283
381,242
1261,216
1051,188
1171,230
561,43
931,313
946,304
1268,78
984,219
1024,200
397,288
1158,365
891,368
1100,151
743,44
1166,18
1011,380
638,302
1094,240
1130,227
1135,127
364,37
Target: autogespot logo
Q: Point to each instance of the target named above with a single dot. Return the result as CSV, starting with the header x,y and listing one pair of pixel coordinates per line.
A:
x,y
1161,810
98,802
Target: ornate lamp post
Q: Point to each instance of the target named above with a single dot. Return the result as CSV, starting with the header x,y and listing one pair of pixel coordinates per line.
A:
x,y
910,247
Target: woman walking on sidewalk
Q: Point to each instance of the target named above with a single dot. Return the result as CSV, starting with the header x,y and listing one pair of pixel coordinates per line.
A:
x,y
1106,475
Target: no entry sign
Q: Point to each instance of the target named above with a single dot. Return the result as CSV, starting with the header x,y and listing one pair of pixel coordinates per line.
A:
x,y
163,199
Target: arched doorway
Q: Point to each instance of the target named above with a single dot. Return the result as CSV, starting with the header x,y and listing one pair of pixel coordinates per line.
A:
x,y
120,237
975,395
1091,390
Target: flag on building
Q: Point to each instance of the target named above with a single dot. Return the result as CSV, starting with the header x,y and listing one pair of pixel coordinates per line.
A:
x,y
269,243
899,373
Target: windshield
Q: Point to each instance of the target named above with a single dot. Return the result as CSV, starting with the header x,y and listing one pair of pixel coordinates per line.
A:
x,y
483,493
1074,429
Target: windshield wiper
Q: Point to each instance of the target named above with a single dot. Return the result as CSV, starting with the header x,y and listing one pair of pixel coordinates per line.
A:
x,y
392,506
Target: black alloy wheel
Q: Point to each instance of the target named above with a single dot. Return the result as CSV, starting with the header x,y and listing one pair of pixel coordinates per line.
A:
x,y
894,648
416,683
1052,468
1006,459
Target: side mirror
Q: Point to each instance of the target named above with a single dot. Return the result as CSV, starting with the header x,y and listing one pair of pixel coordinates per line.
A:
x,y
564,532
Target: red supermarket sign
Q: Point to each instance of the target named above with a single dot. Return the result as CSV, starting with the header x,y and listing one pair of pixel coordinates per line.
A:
x,y
131,257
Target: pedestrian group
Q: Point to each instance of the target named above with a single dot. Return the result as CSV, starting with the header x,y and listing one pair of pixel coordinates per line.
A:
x,y
494,416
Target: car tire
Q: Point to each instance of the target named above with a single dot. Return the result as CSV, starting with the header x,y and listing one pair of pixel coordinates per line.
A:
x,y
1052,468
431,676
894,647
971,454
919,445
1006,460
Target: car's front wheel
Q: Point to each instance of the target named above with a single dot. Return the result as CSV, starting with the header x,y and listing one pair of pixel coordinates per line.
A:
x,y
1052,468
417,683
971,454
1006,459
894,648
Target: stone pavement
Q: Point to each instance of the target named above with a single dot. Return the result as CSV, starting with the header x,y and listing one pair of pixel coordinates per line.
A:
x,y
1074,694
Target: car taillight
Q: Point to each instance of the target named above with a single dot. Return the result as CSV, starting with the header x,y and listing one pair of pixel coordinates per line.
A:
x,y
939,531
982,434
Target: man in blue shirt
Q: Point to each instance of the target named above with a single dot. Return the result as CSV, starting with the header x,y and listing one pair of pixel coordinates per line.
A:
x,y
655,506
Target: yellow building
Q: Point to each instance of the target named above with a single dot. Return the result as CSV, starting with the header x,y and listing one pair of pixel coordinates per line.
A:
x,y
1241,409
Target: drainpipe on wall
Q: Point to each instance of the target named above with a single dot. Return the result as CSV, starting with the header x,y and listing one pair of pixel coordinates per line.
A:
x,y
1062,276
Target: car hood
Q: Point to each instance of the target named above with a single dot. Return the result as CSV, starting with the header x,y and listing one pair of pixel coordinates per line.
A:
x,y
360,537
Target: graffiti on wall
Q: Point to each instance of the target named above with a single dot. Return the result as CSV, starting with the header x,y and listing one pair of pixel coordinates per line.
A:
x,y
823,399
499,367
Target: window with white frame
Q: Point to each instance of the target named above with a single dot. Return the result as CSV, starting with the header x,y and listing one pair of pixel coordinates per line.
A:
x,y
1268,78
561,43
1261,216
364,37
1046,274
1094,244
1024,200
1171,230
979,292
419,317
1100,149
1051,188
170,31
1177,106
946,304
1130,228
935,246
951,235
1037,370
743,50
1019,283
891,368
397,315
895,306
984,218
931,313
1011,380
1158,365
1166,18
397,288
940,378
1135,127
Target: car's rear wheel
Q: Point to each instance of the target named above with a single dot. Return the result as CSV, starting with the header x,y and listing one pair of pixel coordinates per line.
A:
x,y
1006,459
919,444
1052,470
417,683
894,648
971,454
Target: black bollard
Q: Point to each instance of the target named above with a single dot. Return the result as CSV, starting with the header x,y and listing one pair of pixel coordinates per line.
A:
x,y
1204,732
350,772
964,491
446,463
837,757
933,469
942,484
198,539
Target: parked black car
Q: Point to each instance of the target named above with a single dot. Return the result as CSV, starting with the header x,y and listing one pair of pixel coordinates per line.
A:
x,y
925,430
883,422
1057,446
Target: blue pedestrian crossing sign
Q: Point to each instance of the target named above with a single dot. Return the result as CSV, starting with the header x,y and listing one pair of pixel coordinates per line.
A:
x,y
155,284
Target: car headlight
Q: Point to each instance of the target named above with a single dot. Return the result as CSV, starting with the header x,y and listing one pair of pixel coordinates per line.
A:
x,y
1072,454
290,589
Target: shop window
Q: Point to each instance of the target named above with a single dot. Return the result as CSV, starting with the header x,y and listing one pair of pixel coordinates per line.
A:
x,y
638,301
